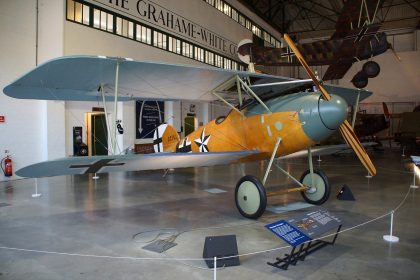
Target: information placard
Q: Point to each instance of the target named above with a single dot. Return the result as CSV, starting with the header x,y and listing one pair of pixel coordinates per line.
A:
x,y
288,233
306,226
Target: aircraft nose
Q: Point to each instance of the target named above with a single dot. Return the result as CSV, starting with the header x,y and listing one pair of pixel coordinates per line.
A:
x,y
332,112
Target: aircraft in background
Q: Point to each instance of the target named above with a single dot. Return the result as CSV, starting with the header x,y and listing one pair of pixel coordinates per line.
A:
x,y
281,117
356,38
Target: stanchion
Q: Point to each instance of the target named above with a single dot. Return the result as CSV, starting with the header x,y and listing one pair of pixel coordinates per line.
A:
x,y
403,154
215,268
36,194
414,186
319,158
95,177
390,237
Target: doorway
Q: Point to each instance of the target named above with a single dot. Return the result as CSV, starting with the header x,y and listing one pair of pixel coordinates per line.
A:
x,y
97,134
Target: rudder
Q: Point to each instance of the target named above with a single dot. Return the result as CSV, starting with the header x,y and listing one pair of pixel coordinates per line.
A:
x,y
164,138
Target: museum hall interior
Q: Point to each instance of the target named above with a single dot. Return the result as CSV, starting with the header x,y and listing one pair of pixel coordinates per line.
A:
x,y
210,139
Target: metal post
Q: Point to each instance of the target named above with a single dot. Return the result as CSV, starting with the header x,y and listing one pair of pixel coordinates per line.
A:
x,y
215,268
36,194
390,237
311,167
414,186
95,177
117,73
273,155
356,108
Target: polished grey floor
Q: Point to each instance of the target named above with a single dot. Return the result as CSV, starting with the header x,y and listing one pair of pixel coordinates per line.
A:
x,y
79,228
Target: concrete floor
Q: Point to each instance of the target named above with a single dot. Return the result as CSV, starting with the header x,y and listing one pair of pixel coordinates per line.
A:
x,y
79,216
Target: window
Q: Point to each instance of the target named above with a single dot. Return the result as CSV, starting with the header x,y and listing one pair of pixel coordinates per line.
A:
x,y
159,40
99,18
218,61
122,27
78,12
235,15
187,50
119,26
256,30
219,5
86,14
209,57
130,30
227,9
174,45
248,24
199,54
226,63
242,20
70,9
143,34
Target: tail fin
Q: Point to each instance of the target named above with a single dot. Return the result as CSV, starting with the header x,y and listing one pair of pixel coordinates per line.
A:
x,y
164,138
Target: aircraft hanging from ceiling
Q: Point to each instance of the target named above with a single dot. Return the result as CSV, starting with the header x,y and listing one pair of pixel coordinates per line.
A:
x,y
356,38
275,117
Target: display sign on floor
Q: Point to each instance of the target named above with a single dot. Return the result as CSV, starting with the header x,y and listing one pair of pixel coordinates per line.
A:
x,y
305,227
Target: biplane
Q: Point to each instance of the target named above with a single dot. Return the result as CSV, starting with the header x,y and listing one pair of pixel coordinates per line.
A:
x,y
280,118
356,38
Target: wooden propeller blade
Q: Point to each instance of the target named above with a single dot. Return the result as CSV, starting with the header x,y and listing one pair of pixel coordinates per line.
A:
x,y
345,128
305,65
351,139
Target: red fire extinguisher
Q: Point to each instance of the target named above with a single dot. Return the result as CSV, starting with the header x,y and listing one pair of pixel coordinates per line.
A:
x,y
6,166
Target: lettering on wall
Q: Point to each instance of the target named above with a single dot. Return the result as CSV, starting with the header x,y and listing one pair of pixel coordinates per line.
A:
x,y
157,15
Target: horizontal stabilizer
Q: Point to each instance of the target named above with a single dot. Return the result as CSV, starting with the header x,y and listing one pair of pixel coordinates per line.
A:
x,y
120,163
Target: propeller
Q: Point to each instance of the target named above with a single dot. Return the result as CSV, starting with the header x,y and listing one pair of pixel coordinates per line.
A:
x,y
345,128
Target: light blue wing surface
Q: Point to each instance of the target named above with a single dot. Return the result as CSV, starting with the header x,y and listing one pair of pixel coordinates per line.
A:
x,y
79,78
106,164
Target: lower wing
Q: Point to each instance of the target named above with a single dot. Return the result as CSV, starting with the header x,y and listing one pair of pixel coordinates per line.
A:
x,y
121,163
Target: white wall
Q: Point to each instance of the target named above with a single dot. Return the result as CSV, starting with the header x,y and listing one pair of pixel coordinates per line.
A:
x,y
397,81
22,131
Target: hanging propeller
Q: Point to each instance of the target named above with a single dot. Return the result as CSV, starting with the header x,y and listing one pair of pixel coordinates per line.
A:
x,y
345,128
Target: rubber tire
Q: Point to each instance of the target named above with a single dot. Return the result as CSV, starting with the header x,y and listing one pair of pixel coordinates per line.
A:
x,y
250,185
320,177
371,69
360,80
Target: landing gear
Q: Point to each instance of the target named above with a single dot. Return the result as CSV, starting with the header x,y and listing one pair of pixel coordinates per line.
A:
x,y
250,197
320,191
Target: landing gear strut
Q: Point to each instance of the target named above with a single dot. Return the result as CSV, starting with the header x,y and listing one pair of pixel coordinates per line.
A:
x,y
319,188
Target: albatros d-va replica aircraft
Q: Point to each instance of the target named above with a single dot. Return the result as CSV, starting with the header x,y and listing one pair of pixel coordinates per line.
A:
x,y
281,118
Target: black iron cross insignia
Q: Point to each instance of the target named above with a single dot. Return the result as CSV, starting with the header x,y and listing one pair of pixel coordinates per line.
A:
x,y
184,146
95,167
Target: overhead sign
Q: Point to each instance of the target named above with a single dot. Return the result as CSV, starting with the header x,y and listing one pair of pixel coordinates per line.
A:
x,y
158,15
306,226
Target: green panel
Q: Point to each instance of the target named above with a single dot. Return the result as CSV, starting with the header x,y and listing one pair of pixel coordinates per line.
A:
x,y
99,135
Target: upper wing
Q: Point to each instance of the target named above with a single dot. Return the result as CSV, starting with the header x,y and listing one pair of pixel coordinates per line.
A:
x,y
106,164
81,77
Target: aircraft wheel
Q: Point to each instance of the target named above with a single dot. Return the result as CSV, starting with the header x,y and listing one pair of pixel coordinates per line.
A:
x,y
372,69
320,191
250,197
360,80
